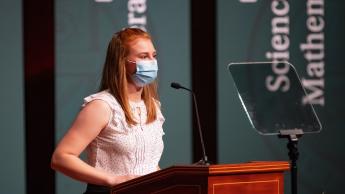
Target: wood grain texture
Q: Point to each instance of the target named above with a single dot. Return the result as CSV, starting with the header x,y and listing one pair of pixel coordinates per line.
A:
x,y
252,178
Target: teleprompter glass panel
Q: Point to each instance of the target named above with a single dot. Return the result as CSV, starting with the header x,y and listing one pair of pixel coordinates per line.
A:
x,y
273,97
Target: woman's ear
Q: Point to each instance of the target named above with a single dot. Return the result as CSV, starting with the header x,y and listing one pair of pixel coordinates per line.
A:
x,y
131,67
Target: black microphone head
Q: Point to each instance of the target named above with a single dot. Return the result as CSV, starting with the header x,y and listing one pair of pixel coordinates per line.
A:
x,y
175,85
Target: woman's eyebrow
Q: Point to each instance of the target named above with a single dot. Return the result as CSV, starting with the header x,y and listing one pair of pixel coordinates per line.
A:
x,y
154,53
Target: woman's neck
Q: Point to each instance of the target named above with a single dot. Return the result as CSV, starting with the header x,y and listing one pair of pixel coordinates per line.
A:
x,y
134,92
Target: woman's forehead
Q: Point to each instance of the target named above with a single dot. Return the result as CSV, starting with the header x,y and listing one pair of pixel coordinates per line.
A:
x,y
142,44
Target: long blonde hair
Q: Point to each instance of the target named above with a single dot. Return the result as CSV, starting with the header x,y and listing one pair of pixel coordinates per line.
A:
x,y
114,76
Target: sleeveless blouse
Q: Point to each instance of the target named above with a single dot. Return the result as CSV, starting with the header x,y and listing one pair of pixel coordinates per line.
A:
x,y
122,149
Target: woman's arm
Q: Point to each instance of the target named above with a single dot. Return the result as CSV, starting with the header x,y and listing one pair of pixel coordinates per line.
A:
x,y
88,124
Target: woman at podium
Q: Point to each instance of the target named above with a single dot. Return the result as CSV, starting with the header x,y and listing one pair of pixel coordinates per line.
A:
x,y
120,127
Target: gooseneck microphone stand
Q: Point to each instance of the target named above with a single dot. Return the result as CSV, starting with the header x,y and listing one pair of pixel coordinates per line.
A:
x,y
204,160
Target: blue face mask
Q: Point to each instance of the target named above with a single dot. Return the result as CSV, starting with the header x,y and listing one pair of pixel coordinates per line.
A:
x,y
146,72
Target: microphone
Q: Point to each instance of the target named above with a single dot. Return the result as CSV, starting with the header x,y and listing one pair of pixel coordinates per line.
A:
x,y
204,160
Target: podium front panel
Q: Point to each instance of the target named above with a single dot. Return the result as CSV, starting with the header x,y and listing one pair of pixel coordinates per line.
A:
x,y
271,183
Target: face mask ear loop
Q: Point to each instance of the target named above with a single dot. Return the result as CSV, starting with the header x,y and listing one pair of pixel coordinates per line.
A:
x,y
131,61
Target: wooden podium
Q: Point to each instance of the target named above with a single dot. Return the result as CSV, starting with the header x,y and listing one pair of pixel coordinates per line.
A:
x,y
246,178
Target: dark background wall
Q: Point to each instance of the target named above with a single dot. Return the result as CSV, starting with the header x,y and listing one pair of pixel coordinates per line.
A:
x,y
12,133
196,40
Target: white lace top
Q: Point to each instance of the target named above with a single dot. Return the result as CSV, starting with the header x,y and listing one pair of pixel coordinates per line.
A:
x,y
121,149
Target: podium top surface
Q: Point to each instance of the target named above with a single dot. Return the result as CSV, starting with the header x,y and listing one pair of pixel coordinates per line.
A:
x,y
249,167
